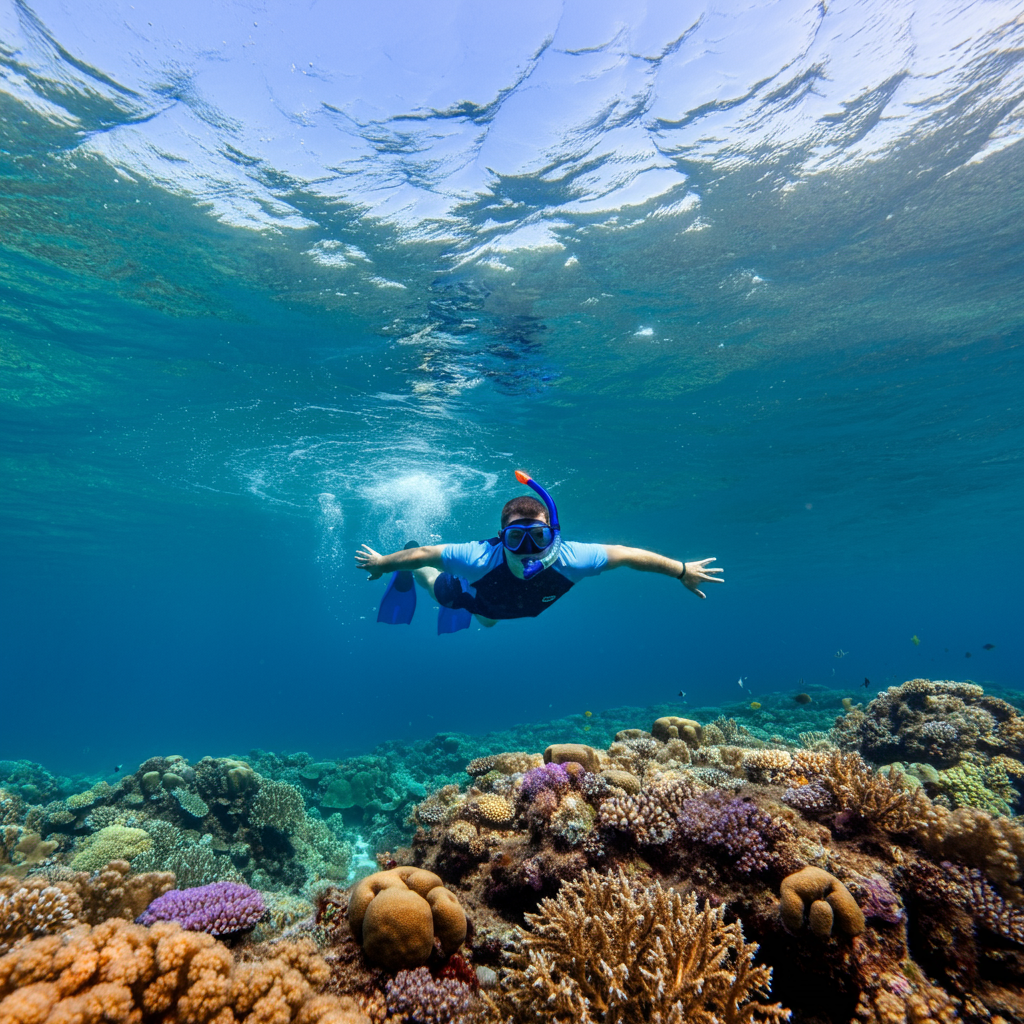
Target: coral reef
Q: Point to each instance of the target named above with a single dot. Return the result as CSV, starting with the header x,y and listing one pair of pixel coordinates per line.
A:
x,y
877,867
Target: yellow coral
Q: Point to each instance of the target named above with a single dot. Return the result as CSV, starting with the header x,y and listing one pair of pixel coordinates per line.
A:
x,y
115,842
494,809
965,785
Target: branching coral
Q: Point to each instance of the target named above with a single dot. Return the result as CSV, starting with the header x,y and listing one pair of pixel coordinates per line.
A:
x,y
32,910
885,801
650,817
608,951
977,839
221,908
428,1000
124,972
278,805
737,827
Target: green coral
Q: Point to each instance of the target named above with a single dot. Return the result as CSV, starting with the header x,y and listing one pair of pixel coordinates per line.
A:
x,y
974,785
115,842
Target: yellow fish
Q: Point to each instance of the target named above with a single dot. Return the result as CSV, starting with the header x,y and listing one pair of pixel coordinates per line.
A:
x,y
915,640
588,713
755,705
586,728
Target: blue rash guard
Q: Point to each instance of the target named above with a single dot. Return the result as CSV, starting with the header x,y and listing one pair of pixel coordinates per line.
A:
x,y
477,578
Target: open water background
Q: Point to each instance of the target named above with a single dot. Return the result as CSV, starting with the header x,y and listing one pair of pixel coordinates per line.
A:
x,y
737,279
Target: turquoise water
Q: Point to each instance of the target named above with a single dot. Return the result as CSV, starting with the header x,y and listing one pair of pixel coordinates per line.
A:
x,y
743,284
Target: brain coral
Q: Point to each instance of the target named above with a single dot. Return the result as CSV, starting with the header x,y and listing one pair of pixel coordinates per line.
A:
x,y
825,899
396,915
124,972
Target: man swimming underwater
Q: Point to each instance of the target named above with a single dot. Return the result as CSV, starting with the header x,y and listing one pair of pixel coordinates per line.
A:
x,y
519,573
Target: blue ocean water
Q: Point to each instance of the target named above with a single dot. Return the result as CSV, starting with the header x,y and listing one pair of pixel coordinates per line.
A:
x,y
740,281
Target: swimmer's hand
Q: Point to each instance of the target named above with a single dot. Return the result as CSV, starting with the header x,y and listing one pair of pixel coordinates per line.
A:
x,y
695,573
372,561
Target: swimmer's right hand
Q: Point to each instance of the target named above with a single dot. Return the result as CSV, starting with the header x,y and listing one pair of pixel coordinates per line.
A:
x,y
367,558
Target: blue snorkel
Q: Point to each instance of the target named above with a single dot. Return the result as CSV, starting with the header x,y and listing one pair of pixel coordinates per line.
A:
x,y
529,567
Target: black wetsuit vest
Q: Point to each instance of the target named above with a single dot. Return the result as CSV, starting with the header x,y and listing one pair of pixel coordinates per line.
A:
x,y
502,595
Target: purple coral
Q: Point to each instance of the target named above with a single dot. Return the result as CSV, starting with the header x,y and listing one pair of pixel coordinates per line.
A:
x,y
880,902
218,909
547,776
812,798
426,999
737,826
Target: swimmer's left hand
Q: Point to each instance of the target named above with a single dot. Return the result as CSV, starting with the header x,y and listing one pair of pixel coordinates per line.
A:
x,y
695,573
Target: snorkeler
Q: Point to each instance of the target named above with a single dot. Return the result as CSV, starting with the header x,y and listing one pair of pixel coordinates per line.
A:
x,y
519,573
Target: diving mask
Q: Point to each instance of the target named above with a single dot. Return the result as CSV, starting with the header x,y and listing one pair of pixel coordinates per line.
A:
x,y
519,538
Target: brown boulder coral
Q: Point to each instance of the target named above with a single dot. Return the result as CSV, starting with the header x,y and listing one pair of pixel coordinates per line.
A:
x,y
396,915
826,900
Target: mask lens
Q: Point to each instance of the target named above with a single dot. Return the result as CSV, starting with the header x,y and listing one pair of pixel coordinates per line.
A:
x,y
514,537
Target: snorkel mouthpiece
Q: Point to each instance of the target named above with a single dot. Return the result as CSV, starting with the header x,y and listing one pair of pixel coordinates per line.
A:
x,y
529,567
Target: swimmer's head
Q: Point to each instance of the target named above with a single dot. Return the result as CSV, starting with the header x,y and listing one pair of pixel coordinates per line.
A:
x,y
523,507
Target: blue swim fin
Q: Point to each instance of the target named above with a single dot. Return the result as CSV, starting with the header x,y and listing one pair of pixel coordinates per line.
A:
x,y
399,600
451,620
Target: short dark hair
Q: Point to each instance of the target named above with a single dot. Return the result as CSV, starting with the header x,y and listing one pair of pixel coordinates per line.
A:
x,y
523,507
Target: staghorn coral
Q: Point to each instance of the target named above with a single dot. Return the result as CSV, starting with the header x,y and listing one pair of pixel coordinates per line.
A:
x,y
221,908
32,910
885,801
606,950
124,972
428,1000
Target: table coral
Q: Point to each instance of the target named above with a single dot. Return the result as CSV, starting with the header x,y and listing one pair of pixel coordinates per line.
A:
x,y
123,972
607,950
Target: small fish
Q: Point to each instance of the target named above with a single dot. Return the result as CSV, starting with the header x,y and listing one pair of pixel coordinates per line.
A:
x,y
915,640
586,728
117,768
682,693
867,682
968,654
740,682
841,653
988,647
803,698
588,713
755,705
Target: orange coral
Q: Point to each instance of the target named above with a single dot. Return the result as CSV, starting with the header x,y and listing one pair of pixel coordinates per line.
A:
x,y
124,972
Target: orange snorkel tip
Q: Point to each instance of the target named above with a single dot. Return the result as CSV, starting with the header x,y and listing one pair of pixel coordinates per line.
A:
x,y
522,476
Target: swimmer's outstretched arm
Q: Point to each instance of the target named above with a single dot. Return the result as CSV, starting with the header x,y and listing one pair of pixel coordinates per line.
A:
x,y
690,574
408,558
